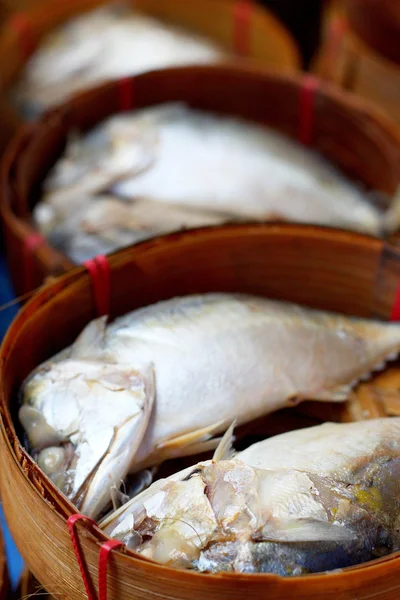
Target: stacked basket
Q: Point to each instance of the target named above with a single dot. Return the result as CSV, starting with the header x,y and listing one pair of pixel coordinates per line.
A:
x,y
360,141
361,51
242,28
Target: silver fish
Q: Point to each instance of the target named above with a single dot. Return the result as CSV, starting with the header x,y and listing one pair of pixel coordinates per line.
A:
x,y
104,44
223,168
108,223
306,501
213,358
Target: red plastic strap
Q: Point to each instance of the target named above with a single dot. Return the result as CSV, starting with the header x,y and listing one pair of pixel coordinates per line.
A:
x,y
241,15
395,316
125,94
306,109
23,27
104,555
100,273
72,521
32,242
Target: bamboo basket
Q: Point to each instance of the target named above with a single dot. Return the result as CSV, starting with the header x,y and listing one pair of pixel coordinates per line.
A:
x,y
348,132
256,34
4,582
319,267
361,52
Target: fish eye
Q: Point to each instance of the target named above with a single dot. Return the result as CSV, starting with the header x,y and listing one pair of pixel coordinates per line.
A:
x,y
194,472
51,459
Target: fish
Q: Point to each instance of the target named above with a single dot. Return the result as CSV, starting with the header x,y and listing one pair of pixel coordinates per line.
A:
x,y
221,168
307,501
182,369
101,45
108,224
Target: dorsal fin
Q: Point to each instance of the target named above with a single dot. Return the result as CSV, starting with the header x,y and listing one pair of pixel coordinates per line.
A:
x,y
91,338
225,450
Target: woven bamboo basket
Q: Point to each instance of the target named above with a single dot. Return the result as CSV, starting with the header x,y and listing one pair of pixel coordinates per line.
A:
x,y
361,51
4,582
344,272
348,132
253,34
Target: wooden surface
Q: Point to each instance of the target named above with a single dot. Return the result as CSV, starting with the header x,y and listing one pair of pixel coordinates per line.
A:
x,y
358,140
319,267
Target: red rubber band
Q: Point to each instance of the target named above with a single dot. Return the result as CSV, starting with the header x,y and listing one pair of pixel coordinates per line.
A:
x,y
241,31
23,27
31,243
104,555
126,96
395,315
306,109
100,273
72,521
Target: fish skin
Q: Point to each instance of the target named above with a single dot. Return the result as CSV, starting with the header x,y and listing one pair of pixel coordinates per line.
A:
x,y
255,354
299,513
215,357
163,158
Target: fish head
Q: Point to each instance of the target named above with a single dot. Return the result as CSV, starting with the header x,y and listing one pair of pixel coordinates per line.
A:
x,y
169,522
176,519
84,421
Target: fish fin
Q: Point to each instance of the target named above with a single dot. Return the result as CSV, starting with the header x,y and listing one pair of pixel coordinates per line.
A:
x,y
190,439
225,450
91,337
118,498
306,530
340,393
202,447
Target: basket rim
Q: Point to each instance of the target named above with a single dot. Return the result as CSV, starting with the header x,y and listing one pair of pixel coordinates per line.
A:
x,y
44,296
